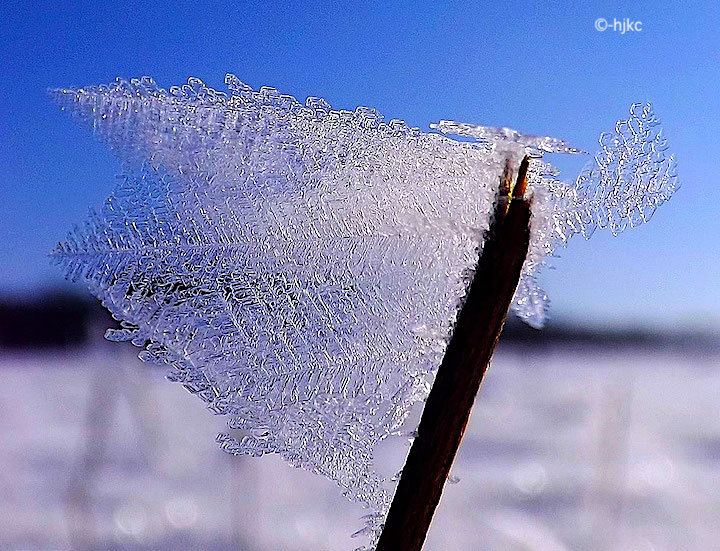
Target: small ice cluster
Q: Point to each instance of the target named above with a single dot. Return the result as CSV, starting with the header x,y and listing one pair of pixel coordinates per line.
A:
x,y
300,268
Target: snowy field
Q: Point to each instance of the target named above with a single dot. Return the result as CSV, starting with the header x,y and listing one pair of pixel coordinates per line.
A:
x,y
568,449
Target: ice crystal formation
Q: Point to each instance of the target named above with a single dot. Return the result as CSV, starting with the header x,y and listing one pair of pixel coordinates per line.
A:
x,y
300,268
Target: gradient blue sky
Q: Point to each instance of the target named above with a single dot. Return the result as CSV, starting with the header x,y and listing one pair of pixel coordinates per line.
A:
x,y
539,67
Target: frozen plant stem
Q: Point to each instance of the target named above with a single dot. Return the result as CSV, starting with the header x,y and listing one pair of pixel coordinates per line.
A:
x,y
458,379
250,232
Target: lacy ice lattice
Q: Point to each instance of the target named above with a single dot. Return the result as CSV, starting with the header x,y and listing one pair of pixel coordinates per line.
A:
x,y
300,268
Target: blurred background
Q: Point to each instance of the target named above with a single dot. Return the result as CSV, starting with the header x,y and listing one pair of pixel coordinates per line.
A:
x,y
600,432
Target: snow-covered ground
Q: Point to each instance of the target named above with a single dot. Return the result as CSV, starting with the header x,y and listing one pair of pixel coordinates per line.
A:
x,y
582,449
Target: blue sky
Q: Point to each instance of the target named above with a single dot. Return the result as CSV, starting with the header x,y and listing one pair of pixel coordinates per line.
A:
x,y
539,67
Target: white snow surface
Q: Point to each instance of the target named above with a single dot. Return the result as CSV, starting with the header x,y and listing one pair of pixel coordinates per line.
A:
x,y
567,448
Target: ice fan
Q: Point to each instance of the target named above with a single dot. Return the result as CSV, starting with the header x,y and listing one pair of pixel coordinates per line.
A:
x,y
301,268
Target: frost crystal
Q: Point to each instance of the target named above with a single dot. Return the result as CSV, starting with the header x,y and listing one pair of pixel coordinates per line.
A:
x,y
300,268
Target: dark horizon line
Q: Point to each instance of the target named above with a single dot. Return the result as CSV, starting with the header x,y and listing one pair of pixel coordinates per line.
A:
x,y
64,318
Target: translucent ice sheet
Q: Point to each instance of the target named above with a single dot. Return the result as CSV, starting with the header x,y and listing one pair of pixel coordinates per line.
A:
x,y
300,268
